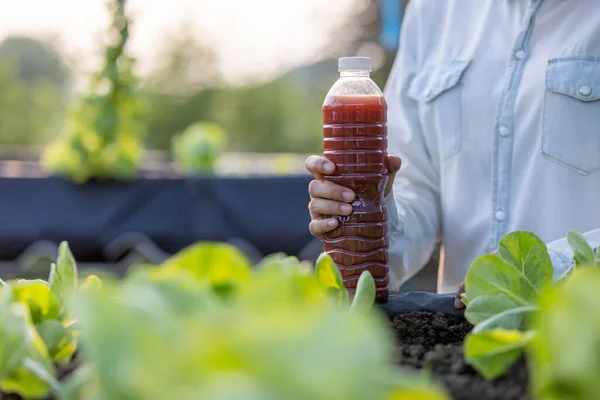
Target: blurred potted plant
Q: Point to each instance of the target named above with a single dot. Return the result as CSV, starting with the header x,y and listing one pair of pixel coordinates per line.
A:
x,y
198,147
104,131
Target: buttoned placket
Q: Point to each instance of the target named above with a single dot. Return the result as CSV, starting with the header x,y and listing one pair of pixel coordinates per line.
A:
x,y
504,130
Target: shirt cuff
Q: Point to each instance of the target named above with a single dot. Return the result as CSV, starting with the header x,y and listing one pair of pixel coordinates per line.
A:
x,y
562,262
561,253
392,212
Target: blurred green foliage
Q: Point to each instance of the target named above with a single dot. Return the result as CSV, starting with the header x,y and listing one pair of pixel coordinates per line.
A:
x,y
33,79
105,128
205,324
198,147
280,116
35,60
103,132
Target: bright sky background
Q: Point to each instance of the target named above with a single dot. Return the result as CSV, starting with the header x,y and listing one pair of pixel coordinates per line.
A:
x,y
255,38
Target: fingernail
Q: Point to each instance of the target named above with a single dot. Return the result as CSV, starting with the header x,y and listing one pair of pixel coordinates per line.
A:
x,y
328,167
348,195
346,208
331,222
458,304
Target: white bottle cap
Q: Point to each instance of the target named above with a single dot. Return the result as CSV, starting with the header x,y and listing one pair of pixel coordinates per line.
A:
x,y
353,63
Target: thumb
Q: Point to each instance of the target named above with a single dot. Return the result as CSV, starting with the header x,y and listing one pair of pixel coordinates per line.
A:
x,y
394,163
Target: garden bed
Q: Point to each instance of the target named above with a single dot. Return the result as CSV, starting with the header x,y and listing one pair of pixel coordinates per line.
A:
x,y
527,337
430,337
430,334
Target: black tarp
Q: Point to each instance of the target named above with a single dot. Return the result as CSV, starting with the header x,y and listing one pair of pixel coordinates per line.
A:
x,y
404,303
268,212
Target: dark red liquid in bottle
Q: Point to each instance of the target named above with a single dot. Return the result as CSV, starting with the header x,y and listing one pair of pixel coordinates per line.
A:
x,y
355,139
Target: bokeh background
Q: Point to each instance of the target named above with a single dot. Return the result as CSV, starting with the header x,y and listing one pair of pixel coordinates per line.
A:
x,y
132,129
259,69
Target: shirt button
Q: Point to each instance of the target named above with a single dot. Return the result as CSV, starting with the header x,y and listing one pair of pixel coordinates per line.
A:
x,y
503,130
520,54
427,92
499,216
585,90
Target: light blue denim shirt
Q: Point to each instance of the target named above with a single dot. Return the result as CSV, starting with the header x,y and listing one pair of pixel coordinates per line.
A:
x,y
494,107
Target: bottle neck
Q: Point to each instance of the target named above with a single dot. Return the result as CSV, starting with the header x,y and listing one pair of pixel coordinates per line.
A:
x,y
355,73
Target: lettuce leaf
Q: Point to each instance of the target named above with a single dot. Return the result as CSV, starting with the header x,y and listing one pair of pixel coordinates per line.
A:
x,y
222,265
25,364
330,277
529,255
492,352
565,355
364,298
39,299
583,254
63,274
503,291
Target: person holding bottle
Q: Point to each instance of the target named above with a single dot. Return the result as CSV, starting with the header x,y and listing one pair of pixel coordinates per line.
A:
x,y
493,116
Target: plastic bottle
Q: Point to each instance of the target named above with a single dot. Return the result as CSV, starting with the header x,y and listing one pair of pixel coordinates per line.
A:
x,y
355,139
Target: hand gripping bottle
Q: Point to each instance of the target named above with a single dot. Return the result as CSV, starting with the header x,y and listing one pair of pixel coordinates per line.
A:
x,y
355,139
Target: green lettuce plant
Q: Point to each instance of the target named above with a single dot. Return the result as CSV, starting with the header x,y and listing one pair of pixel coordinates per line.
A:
x,y
204,324
26,366
502,291
37,329
219,265
492,352
47,305
329,275
279,330
564,357
227,271
104,132
198,147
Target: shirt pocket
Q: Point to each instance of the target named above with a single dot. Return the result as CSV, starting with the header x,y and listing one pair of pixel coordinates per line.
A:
x,y
571,120
437,90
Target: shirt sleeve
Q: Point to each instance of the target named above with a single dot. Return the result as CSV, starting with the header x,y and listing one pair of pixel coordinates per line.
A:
x,y
413,206
561,253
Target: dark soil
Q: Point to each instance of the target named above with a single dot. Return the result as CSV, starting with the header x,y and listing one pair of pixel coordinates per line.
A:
x,y
434,341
